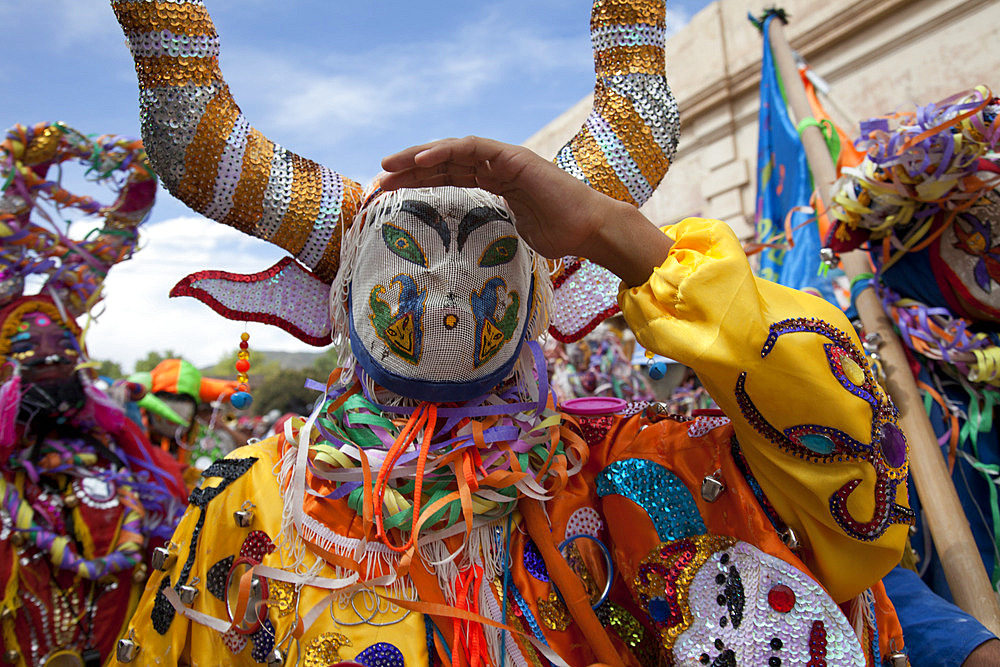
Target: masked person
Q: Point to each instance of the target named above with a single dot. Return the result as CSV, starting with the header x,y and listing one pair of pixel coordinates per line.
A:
x,y
85,497
436,507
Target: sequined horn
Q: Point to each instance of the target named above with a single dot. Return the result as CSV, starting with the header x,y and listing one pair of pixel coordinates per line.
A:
x,y
207,154
624,147
627,142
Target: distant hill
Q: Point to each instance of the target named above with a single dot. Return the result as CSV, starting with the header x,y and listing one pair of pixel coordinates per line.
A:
x,y
288,360
291,359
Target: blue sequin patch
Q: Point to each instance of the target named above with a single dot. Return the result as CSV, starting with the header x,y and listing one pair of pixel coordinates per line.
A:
x,y
533,561
382,654
655,489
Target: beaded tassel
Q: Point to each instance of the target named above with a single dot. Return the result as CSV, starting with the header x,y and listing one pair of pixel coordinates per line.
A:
x,y
242,399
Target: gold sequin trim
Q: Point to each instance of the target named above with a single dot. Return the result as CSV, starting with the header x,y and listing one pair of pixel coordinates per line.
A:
x,y
303,208
637,137
169,71
616,12
282,596
43,147
201,159
248,199
630,60
652,586
180,19
595,166
325,649
553,613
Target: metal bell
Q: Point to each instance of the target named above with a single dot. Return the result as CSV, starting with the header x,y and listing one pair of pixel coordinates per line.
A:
x,y
126,650
790,539
11,656
899,660
18,539
139,573
829,257
187,594
70,500
276,658
872,341
243,518
162,559
712,487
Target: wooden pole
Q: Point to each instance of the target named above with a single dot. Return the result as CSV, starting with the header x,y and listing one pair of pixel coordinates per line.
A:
x,y
963,567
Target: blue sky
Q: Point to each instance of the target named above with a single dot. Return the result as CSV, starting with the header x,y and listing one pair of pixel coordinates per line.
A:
x,y
341,83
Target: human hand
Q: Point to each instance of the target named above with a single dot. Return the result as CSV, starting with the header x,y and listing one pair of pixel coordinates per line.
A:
x,y
555,214
987,653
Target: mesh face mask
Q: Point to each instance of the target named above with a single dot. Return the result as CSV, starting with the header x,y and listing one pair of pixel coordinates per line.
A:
x,y
440,293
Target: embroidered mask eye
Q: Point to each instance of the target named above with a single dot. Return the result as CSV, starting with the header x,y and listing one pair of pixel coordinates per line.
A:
x,y
403,245
499,252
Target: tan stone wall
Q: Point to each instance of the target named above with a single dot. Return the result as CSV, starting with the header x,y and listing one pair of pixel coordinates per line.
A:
x,y
878,56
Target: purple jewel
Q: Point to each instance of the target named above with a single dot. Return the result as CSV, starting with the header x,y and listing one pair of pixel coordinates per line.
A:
x,y
893,446
381,654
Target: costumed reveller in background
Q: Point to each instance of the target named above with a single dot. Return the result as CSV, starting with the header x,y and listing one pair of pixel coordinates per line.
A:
x,y
181,387
436,507
924,196
84,496
598,365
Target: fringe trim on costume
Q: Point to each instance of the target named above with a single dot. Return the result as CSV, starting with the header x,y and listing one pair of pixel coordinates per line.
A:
x,y
376,558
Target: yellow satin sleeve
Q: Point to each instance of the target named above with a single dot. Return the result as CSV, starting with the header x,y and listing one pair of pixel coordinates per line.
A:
x,y
704,308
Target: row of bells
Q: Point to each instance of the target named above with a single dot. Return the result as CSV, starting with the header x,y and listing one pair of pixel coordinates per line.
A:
x,y
163,559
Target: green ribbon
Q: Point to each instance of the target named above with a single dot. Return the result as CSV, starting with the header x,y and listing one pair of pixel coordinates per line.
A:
x,y
830,135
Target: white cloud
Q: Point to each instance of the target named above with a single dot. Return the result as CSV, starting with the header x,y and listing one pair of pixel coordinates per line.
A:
x,y
68,23
138,317
362,90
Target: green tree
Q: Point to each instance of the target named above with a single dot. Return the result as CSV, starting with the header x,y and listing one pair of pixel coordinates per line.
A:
x,y
283,391
152,359
111,369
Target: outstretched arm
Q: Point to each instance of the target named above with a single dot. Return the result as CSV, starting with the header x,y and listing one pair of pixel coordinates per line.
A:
x,y
555,213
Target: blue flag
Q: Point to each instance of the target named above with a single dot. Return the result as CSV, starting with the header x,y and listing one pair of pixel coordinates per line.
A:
x,y
784,183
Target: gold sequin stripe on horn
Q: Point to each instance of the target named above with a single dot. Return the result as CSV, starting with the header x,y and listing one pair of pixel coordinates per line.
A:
x,y
640,144
306,190
626,144
246,210
629,12
179,18
208,154
203,154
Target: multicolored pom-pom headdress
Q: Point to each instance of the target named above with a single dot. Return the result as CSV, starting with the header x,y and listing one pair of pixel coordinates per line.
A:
x,y
35,243
210,157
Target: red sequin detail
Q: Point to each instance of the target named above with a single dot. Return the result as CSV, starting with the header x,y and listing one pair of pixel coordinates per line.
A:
x,y
256,545
781,598
817,645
